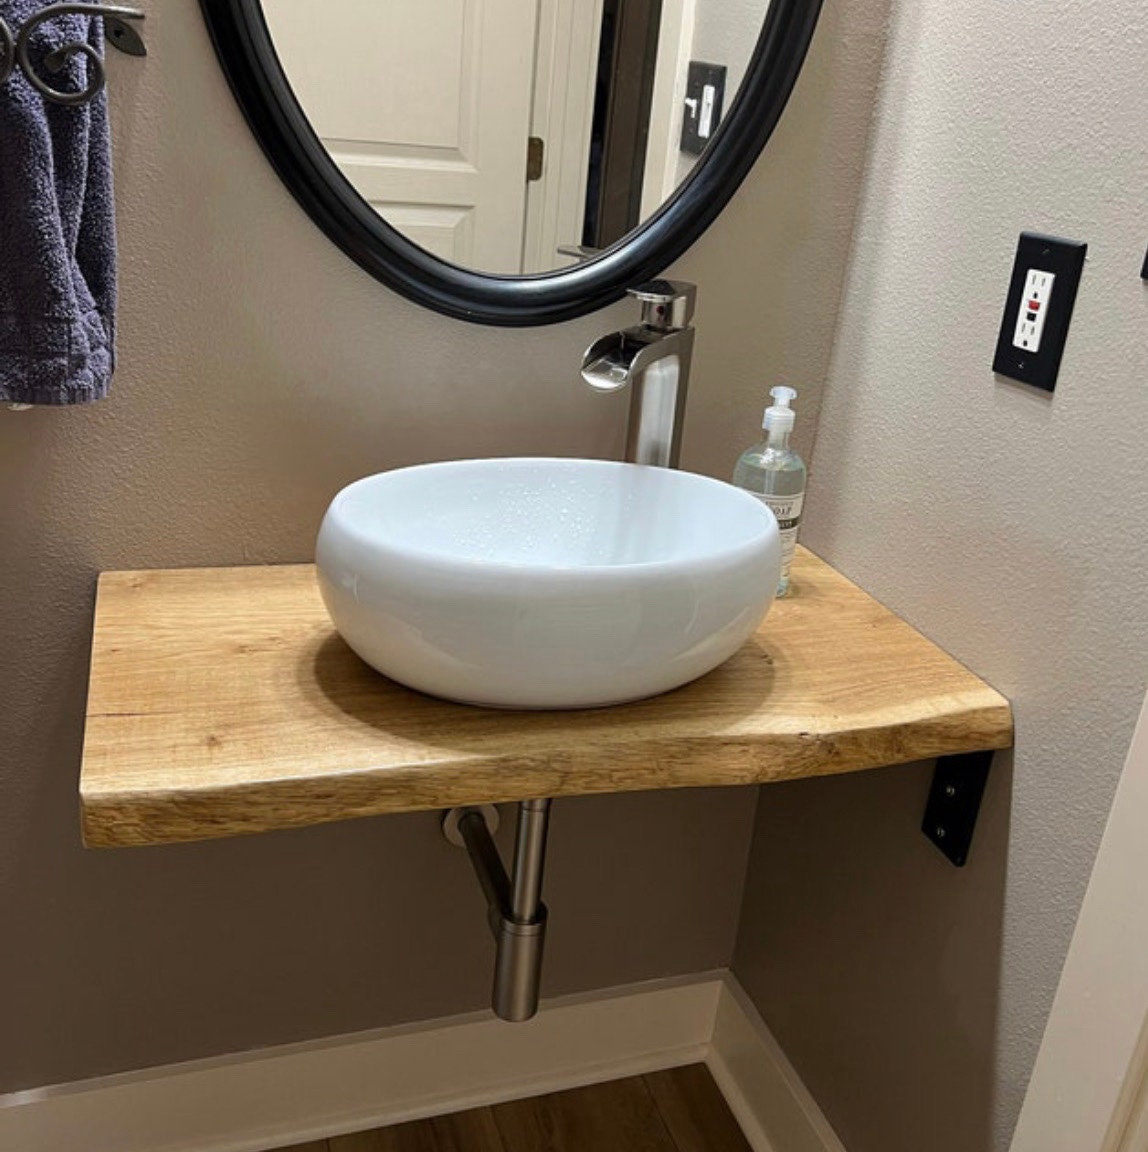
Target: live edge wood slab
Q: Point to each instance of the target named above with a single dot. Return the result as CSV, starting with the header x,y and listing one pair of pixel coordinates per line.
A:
x,y
222,702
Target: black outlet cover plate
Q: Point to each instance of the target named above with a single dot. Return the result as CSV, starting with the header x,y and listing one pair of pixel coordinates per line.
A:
x,y
700,75
1065,259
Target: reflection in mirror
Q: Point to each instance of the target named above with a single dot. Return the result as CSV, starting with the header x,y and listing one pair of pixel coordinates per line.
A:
x,y
515,137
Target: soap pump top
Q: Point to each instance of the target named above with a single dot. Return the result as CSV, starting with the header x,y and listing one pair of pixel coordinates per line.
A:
x,y
779,417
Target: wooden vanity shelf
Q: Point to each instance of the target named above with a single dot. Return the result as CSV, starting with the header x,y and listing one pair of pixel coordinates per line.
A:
x,y
223,702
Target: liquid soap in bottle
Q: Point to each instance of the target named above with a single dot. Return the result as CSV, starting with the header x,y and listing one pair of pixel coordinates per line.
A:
x,y
775,474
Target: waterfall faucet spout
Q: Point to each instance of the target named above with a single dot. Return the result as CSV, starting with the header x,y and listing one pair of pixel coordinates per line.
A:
x,y
654,359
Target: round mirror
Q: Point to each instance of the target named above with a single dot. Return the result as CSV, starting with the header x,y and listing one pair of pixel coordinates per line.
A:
x,y
512,161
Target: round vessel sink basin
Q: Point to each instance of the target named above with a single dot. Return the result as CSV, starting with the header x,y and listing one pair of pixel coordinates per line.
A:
x,y
539,583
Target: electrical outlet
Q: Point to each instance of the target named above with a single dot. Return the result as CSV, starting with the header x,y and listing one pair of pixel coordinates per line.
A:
x,y
1033,309
1045,277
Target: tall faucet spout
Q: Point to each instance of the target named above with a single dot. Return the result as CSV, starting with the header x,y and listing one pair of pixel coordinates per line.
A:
x,y
609,362
654,359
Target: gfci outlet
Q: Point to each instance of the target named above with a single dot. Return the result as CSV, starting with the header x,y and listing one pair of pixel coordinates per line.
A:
x,y
1033,310
1042,292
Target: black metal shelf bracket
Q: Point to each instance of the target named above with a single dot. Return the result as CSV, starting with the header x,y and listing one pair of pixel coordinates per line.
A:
x,y
955,801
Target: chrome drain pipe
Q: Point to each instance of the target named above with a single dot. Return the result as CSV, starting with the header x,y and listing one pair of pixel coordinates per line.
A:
x,y
516,913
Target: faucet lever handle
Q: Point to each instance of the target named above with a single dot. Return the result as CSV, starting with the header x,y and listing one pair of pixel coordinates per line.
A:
x,y
666,304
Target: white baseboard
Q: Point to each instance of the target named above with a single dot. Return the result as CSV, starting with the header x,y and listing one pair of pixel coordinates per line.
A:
x,y
774,1108
289,1095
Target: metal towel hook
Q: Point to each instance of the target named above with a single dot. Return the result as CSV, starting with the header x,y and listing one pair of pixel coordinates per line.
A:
x,y
119,33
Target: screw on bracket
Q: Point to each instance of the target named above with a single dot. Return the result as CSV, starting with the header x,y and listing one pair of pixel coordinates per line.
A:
x,y
954,802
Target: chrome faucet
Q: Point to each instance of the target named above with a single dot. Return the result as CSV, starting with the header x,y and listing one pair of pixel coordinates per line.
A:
x,y
654,359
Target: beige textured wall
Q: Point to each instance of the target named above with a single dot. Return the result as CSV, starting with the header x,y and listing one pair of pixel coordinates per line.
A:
x,y
260,371
1007,524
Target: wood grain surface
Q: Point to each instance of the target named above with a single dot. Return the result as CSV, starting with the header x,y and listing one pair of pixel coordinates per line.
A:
x,y
222,701
678,1110
694,1110
473,1131
619,1116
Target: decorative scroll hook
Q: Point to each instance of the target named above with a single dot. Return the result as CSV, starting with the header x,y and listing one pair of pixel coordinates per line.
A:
x,y
7,51
120,34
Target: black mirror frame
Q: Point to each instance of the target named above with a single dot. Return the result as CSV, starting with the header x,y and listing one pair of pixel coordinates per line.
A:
x,y
243,44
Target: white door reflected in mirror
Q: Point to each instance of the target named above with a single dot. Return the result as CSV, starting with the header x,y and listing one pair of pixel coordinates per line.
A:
x,y
429,110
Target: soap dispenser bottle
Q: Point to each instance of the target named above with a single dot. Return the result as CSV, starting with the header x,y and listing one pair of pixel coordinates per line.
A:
x,y
775,474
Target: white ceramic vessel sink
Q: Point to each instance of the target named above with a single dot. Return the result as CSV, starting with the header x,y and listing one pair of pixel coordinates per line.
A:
x,y
539,583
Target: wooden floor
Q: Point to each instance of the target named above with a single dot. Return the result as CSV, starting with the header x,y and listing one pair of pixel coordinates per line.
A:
x,y
680,1110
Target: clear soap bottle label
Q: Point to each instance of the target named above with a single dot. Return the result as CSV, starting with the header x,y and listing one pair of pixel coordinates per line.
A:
x,y
787,509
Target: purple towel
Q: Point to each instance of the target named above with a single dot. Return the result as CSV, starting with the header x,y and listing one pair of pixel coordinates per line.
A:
x,y
57,225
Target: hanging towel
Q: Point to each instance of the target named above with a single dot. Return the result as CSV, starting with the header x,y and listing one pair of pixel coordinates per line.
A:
x,y
57,225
